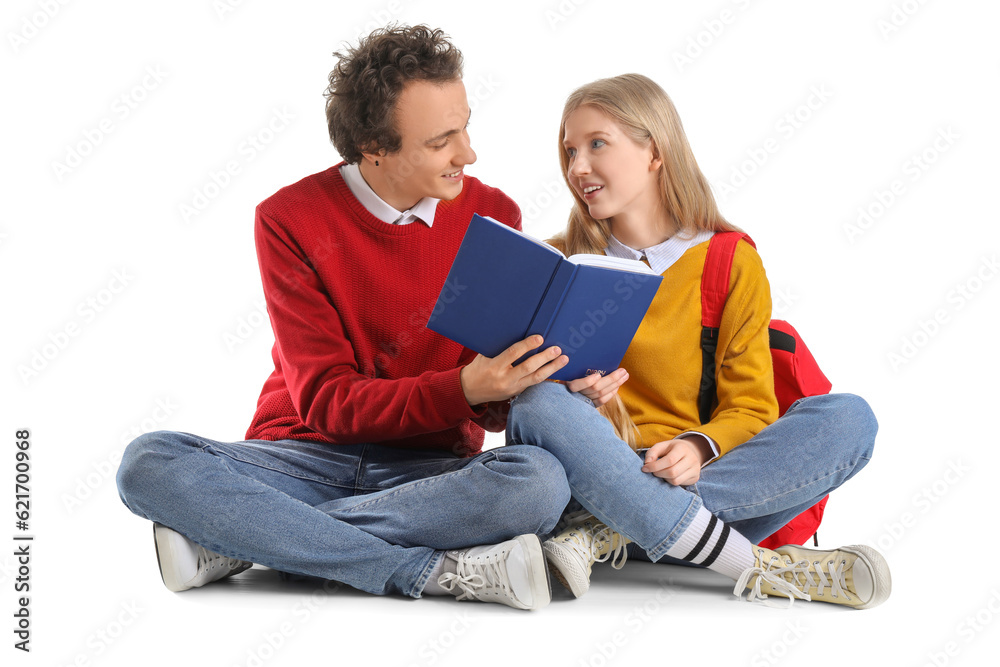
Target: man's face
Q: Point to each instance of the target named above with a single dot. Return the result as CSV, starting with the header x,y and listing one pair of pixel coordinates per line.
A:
x,y
431,119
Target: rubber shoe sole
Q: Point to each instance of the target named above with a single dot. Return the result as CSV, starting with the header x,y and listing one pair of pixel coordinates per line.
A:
x,y
168,558
565,569
538,578
174,552
880,573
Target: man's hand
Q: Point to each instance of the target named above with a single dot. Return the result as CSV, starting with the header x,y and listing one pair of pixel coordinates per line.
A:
x,y
485,379
599,388
677,461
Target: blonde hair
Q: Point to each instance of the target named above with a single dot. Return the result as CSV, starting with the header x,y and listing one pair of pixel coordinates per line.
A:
x,y
646,114
626,430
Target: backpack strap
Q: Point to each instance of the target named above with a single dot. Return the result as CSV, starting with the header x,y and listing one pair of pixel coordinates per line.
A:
x,y
714,292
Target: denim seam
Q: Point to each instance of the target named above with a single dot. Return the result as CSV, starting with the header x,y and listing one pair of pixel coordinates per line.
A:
x,y
215,451
361,466
258,464
417,590
796,489
661,549
394,491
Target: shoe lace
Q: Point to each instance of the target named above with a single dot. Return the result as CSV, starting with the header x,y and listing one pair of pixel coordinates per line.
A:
x,y
790,587
572,519
837,581
477,578
618,556
209,560
588,540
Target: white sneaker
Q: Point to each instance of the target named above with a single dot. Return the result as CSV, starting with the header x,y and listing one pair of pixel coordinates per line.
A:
x,y
184,564
581,542
511,573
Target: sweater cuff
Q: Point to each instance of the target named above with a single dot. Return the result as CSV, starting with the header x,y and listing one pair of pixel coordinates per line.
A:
x,y
448,385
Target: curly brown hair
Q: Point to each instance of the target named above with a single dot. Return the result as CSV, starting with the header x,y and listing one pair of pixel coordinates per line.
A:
x,y
368,79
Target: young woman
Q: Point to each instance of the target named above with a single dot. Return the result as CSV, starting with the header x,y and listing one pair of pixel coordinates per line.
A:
x,y
701,493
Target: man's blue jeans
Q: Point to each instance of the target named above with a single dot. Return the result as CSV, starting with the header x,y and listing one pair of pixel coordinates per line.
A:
x,y
373,517
820,443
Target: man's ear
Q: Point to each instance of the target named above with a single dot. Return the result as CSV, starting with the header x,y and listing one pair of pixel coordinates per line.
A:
x,y
372,154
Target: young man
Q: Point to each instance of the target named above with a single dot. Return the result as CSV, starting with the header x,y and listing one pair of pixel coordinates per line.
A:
x,y
363,463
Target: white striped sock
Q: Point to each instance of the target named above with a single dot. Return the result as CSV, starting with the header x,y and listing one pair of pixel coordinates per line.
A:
x,y
710,542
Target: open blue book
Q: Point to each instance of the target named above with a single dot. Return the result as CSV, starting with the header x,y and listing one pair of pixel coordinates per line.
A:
x,y
505,286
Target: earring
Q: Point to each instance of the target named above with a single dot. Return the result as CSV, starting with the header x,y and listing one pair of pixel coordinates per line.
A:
x,y
376,163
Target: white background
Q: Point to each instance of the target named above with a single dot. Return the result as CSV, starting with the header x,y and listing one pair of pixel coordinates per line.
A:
x,y
870,86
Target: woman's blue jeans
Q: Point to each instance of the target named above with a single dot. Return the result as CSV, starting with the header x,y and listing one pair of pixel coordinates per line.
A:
x,y
820,443
370,516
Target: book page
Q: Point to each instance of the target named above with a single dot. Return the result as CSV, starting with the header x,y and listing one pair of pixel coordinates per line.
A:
x,y
604,261
526,236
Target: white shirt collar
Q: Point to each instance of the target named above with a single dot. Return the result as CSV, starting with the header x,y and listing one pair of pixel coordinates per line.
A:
x,y
423,210
660,256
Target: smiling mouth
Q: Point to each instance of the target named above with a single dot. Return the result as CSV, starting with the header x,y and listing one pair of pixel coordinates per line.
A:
x,y
591,189
454,175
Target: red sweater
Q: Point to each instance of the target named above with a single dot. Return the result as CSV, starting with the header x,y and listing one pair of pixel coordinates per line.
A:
x,y
349,297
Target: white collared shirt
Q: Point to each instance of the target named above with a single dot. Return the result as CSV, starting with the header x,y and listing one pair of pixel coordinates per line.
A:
x,y
423,210
661,257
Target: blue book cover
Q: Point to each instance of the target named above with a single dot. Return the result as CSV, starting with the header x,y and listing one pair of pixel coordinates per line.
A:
x,y
505,286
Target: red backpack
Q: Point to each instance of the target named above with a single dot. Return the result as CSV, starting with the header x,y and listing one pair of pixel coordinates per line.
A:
x,y
796,373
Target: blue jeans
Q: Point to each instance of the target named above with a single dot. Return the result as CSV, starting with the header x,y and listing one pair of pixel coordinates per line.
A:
x,y
820,443
374,517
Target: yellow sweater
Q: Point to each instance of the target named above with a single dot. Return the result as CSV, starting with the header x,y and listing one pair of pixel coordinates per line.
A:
x,y
664,359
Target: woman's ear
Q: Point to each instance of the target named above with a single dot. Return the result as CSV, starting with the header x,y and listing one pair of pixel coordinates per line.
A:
x,y
655,162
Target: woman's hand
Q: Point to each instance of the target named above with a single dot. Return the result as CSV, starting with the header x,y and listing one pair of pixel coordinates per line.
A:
x,y
677,461
599,388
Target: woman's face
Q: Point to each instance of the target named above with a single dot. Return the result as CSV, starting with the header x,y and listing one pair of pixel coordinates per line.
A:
x,y
612,173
